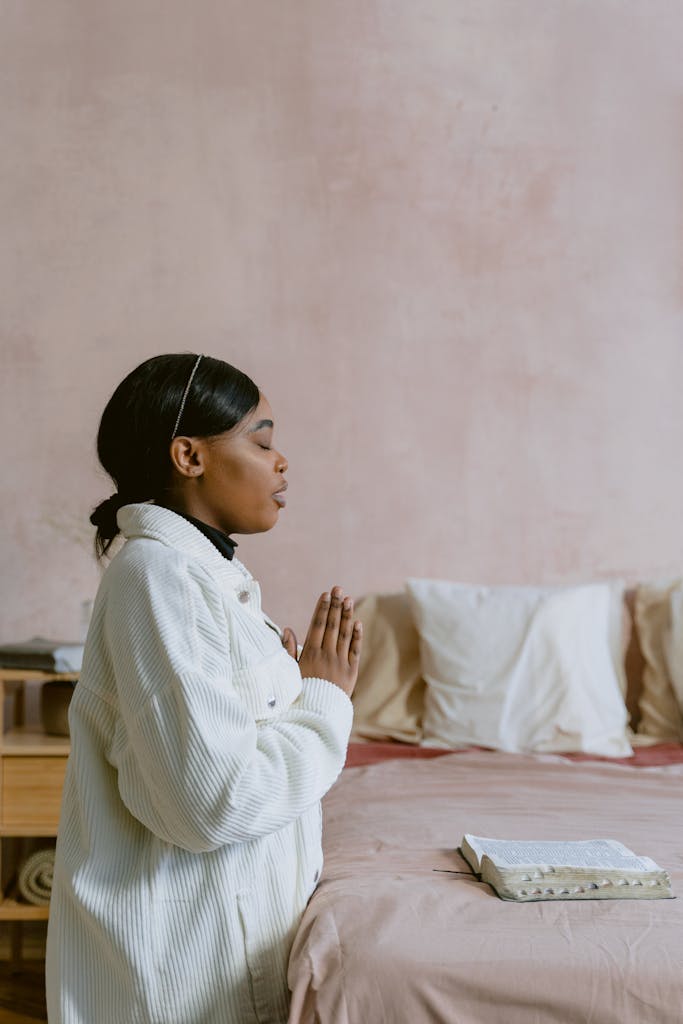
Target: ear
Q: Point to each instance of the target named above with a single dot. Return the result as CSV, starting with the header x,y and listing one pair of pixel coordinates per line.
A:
x,y
188,456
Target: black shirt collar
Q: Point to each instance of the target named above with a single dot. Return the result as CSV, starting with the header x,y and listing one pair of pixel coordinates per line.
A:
x,y
226,545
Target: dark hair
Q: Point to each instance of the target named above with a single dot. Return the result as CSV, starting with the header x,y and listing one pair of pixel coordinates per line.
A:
x,y
138,422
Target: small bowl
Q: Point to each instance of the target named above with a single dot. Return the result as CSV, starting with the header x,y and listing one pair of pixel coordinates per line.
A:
x,y
55,698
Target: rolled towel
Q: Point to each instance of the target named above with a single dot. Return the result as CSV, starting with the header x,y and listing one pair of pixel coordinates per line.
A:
x,y
35,877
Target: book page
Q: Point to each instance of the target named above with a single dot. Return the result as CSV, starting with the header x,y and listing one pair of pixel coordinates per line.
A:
x,y
588,853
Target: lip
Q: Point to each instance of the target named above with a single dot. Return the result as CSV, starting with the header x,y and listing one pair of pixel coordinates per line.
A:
x,y
279,496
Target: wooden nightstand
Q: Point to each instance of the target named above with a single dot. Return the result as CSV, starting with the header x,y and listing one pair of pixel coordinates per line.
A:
x,y
32,767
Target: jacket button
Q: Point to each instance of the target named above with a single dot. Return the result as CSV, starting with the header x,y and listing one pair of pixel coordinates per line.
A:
x,y
271,702
243,596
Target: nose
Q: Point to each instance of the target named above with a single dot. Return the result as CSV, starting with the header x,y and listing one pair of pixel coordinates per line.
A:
x,y
282,463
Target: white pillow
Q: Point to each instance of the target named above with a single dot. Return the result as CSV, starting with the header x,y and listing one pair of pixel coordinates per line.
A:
x,y
522,668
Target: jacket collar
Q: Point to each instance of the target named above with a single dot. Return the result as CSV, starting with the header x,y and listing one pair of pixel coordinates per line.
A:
x,y
158,523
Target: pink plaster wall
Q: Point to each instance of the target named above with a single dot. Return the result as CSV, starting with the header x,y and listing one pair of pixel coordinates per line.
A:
x,y
446,238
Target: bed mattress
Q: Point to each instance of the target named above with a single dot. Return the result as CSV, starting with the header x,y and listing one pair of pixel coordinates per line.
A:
x,y
400,930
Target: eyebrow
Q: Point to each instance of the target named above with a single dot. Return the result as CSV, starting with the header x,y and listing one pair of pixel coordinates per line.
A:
x,y
260,425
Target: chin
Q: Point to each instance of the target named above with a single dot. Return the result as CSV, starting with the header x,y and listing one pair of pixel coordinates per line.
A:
x,y
265,524
274,520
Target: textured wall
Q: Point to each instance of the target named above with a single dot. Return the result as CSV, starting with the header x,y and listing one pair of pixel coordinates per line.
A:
x,y
446,239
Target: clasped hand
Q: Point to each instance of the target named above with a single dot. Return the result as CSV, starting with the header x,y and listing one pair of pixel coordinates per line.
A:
x,y
333,642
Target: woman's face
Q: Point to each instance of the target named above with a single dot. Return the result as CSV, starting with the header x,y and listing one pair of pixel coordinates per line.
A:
x,y
235,481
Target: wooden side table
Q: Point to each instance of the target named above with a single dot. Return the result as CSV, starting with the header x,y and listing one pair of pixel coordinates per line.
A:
x,y
32,768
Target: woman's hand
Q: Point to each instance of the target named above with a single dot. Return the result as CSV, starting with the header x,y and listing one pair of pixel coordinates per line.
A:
x,y
333,643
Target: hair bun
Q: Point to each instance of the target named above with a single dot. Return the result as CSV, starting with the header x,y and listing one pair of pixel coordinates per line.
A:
x,y
104,516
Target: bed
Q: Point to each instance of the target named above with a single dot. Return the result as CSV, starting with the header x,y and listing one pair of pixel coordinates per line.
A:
x,y
399,928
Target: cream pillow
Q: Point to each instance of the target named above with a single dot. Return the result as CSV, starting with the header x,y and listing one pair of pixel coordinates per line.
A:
x,y
675,648
522,668
659,621
389,694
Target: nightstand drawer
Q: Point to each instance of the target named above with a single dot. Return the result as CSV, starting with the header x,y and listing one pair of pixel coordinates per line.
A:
x,y
31,794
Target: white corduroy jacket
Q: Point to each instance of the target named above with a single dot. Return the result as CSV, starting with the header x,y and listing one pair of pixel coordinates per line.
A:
x,y
190,833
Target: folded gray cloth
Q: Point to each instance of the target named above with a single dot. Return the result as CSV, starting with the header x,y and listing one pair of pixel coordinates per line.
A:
x,y
35,877
39,653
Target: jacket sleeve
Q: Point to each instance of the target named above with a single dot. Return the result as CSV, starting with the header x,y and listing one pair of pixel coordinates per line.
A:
x,y
193,765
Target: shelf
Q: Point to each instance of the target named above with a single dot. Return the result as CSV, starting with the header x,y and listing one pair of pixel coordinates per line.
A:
x,y
32,769
26,741
13,910
21,675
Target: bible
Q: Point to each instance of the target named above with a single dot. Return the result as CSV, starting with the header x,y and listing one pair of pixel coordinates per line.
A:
x,y
590,869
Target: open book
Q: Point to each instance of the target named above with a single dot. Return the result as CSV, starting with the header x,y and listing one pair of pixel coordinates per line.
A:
x,y
591,869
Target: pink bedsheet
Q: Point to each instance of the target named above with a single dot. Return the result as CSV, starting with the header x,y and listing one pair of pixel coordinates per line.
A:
x,y
399,930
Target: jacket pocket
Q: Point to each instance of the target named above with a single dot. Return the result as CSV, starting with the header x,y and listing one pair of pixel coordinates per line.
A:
x,y
269,686
175,968
200,968
266,948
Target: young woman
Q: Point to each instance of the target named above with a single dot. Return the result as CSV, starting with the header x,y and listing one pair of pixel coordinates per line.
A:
x,y
202,740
